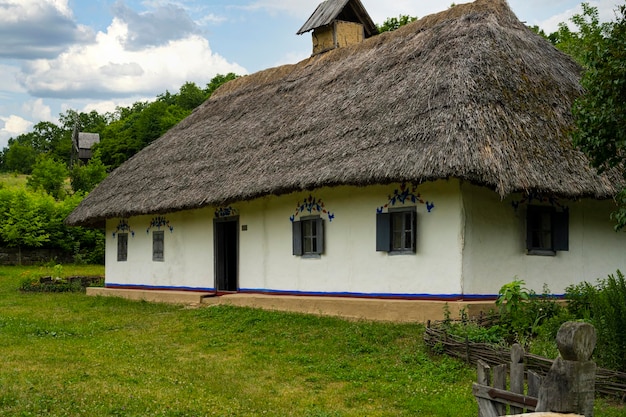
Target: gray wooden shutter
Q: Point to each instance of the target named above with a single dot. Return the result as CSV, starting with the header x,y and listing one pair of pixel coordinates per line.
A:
x,y
320,235
414,221
383,232
560,230
296,228
122,247
530,213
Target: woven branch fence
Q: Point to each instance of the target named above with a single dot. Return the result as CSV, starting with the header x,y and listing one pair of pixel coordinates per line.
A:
x,y
612,383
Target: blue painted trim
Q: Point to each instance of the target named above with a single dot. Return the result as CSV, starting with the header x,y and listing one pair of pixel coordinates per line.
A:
x,y
437,297
403,296
157,287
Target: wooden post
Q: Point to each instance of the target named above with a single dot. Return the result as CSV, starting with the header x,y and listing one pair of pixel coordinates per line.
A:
x,y
499,381
569,385
517,373
486,408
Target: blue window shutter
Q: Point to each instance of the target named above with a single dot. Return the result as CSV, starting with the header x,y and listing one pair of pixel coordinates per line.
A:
x,y
320,235
560,230
383,232
296,228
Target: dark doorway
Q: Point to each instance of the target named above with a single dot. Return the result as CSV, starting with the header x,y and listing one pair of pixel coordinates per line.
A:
x,y
226,253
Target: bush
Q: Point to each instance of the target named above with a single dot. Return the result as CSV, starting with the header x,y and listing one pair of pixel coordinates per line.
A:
x,y
523,311
57,284
604,306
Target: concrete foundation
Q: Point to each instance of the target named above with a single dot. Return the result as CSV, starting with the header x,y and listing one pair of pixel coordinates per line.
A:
x,y
407,311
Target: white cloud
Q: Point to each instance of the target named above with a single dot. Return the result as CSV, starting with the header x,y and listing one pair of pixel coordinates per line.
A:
x,y
107,69
38,110
210,18
379,10
32,29
8,82
109,106
12,126
606,13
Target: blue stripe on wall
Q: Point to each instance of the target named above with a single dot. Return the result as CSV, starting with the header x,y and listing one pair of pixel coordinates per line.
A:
x,y
403,296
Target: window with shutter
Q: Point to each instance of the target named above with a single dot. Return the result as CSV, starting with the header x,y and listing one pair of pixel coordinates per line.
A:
x,y
308,237
396,231
547,231
158,245
122,247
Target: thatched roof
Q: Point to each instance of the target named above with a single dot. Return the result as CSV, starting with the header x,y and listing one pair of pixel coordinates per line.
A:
x,y
347,10
87,140
469,93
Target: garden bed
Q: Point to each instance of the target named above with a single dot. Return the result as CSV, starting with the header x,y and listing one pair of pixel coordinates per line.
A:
x,y
75,283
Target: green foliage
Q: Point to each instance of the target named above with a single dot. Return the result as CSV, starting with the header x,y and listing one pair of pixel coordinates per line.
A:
x,y
217,81
604,306
600,113
522,311
18,157
22,222
85,177
48,175
393,23
33,220
511,296
590,33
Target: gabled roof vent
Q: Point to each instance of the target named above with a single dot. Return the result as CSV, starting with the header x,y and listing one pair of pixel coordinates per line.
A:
x,y
338,23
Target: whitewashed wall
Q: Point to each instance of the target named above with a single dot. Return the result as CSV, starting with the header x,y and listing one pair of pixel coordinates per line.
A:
x,y
188,253
350,263
495,245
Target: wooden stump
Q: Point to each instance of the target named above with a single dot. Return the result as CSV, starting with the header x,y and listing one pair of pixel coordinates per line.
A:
x,y
569,385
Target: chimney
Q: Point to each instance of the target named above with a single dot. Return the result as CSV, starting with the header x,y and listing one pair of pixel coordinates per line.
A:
x,y
337,24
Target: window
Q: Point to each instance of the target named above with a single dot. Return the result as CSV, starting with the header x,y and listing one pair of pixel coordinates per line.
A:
x,y
158,239
122,247
395,231
308,237
547,231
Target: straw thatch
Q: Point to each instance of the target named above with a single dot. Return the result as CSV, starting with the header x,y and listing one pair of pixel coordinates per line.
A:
x,y
469,93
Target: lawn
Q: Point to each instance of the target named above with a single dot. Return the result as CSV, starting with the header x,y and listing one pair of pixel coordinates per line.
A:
x,y
66,354
13,180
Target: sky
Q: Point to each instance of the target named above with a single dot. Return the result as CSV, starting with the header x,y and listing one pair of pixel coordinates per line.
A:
x,y
86,55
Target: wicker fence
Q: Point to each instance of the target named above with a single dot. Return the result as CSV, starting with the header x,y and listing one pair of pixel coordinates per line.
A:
x,y
608,382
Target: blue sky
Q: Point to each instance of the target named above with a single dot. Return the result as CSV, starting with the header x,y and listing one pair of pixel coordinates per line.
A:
x,y
98,54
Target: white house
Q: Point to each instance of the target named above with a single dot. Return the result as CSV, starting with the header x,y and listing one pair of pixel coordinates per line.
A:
x,y
430,163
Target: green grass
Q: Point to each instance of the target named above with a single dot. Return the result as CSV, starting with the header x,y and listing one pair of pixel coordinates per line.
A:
x,y
10,180
66,354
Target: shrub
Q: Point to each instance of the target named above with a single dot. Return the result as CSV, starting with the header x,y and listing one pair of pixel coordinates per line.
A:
x,y
55,284
523,311
604,306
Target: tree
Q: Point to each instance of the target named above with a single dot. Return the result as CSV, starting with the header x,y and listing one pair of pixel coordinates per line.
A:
x,y
393,23
48,175
590,32
84,178
23,224
217,81
600,113
19,157
190,96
